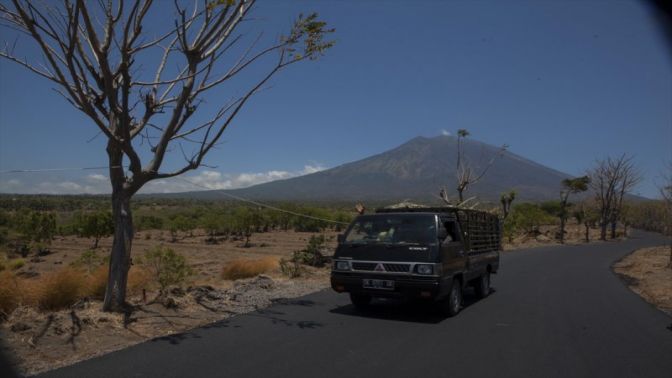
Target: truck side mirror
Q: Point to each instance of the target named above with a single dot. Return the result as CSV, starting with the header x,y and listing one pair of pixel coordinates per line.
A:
x,y
341,238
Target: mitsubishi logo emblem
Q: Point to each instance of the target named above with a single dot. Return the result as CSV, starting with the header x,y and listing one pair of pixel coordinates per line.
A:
x,y
379,268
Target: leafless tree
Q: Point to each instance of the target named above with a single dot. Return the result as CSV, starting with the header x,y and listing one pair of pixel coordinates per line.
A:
x,y
466,175
96,54
611,180
666,194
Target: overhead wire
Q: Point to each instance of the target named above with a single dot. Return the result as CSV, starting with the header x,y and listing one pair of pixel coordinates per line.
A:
x,y
229,195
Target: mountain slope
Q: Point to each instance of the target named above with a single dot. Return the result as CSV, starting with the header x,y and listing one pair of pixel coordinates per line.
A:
x,y
416,170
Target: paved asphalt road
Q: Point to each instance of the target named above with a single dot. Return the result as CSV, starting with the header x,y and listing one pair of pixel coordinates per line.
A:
x,y
555,312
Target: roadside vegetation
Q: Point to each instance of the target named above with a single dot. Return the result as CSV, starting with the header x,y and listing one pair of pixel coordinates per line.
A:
x,y
646,272
31,225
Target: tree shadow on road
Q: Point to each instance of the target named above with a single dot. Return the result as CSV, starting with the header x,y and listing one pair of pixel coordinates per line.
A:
x,y
274,314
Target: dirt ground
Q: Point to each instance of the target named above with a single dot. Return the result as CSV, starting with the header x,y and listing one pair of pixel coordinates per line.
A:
x,y
39,341
647,274
574,234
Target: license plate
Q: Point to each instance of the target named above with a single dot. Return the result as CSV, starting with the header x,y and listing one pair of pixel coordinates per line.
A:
x,y
378,284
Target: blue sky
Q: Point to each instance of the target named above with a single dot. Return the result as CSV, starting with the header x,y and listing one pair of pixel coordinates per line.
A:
x,y
562,83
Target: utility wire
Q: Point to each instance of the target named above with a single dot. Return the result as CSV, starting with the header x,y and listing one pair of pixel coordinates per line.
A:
x,y
188,181
263,204
53,170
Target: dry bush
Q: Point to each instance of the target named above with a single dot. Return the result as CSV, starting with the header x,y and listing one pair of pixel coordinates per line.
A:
x,y
56,290
97,282
10,295
138,279
245,268
291,268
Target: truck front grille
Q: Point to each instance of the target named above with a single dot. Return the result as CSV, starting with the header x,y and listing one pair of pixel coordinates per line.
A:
x,y
389,267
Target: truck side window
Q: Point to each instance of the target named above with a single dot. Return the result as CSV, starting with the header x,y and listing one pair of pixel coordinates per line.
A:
x,y
442,228
453,233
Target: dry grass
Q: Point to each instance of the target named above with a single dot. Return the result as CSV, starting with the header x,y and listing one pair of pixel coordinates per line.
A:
x,y
138,279
56,290
10,295
649,276
62,288
97,282
245,268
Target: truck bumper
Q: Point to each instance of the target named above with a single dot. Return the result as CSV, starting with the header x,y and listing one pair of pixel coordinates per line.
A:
x,y
404,286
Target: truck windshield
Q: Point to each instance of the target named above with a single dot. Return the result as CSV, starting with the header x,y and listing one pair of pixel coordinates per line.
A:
x,y
393,229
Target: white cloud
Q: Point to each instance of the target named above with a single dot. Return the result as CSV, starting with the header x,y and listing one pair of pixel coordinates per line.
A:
x,y
96,177
445,132
204,180
308,169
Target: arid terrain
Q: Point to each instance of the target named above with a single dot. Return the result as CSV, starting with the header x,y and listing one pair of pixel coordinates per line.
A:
x,y
646,272
43,340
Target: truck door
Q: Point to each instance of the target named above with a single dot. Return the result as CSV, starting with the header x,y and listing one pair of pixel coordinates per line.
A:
x,y
453,253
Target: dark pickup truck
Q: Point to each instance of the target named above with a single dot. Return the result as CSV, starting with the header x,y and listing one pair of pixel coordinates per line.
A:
x,y
429,253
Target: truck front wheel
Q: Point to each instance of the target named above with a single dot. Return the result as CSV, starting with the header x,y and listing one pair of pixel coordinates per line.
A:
x,y
451,305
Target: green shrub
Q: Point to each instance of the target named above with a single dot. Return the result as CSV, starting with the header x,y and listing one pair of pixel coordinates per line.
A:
x,y
95,225
312,254
526,218
17,264
149,222
166,267
89,260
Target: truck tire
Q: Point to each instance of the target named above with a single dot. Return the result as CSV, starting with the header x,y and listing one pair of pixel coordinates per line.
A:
x,y
360,301
483,285
451,306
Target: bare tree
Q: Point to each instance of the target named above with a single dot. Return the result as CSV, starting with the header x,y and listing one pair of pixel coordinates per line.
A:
x,y
611,179
569,186
666,194
466,175
629,178
95,53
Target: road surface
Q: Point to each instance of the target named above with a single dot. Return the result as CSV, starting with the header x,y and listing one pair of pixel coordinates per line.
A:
x,y
555,312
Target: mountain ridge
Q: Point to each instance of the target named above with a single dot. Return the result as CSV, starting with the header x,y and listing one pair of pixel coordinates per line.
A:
x,y
415,170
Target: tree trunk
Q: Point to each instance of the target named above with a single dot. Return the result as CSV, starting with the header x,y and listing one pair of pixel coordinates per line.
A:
x,y
587,233
613,229
603,230
562,230
120,257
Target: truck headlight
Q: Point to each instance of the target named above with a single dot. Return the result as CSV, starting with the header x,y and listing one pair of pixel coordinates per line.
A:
x,y
341,265
424,269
